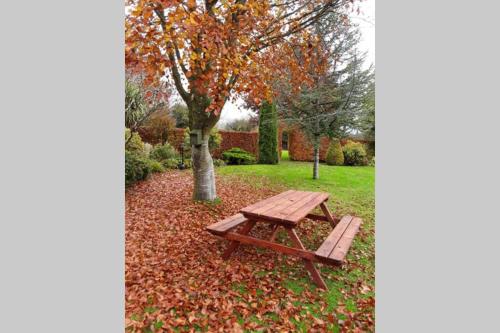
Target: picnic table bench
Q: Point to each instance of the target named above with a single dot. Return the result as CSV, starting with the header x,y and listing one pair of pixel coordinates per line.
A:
x,y
287,210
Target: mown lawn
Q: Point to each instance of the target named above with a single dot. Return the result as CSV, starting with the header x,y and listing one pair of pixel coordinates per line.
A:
x,y
352,189
351,296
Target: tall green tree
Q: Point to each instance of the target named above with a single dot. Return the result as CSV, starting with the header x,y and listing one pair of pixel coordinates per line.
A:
x,y
331,104
268,134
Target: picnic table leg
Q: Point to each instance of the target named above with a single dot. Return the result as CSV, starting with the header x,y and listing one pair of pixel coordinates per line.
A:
x,y
234,244
309,264
328,215
274,233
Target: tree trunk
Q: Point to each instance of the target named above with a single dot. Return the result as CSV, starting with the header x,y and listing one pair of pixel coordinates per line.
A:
x,y
202,163
316,158
203,172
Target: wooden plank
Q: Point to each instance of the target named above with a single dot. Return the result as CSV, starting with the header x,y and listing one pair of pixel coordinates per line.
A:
x,y
340,250
317,217
270,245
315,275
273,203
265,201
327,247
283,203
221,227
328,215
306,197
275,229
301,212
234,244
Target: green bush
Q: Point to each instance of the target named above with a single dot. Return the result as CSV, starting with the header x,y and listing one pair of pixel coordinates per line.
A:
x,y
268,134
133,144
147,148
163,152
170,163
370,150
334,155
238,156
354,154
136,168
218,162
155,166
372,161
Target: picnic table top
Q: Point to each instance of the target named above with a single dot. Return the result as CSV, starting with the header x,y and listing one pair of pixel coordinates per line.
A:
x,y
288,207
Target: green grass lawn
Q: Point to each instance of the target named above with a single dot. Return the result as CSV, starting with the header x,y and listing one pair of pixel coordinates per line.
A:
x,y
352,191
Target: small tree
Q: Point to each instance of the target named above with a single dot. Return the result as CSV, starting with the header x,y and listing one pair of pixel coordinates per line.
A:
x,y
367,119
268,134
157,127
334,155
180,113
142,100
331,104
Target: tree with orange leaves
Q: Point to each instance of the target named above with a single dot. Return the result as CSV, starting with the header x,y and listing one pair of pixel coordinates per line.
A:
x,y
214,50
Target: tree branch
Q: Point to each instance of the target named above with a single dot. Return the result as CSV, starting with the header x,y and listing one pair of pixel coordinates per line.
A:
x,y
175,71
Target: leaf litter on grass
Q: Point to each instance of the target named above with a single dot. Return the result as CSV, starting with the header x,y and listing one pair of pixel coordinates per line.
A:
x,y
176,280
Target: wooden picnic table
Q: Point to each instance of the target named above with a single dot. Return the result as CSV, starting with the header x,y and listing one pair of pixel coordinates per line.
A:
x,y
287,210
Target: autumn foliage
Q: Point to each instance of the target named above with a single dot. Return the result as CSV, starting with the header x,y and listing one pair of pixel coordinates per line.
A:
x,y
215,48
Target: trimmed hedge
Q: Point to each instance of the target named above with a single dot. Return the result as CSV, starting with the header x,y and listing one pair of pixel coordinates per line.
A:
x,y
354,154
334,155
268,134
237,156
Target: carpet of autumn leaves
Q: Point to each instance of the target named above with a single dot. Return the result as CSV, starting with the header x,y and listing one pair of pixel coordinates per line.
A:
x,y
176,280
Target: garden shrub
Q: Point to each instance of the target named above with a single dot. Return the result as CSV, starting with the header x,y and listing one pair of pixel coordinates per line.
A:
x,y
170,163
136,168
188,163
370,150
334,155
155,166
163,152
218,162
147,148
372,161
354,154
238,156
133,144
268,134
157,127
